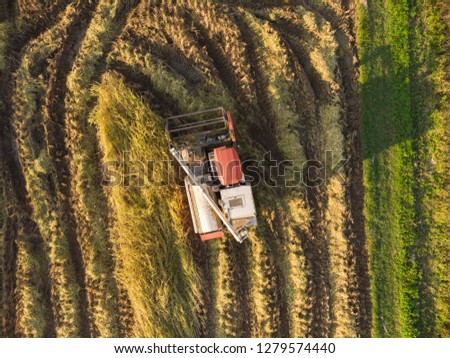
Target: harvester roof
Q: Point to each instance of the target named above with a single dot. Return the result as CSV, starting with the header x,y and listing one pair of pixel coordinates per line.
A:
x,y
228,165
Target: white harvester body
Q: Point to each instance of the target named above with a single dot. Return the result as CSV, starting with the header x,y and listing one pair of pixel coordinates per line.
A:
x,y
203,143
203,216
238,204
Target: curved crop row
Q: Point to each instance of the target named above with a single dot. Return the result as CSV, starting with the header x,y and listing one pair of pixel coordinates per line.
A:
x,y
321,48
40,176
91,209
278,102
33,311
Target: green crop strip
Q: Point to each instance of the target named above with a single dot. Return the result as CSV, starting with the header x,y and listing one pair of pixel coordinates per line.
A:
x,y
404,129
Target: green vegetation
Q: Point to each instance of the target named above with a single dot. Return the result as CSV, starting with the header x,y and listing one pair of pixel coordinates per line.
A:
x,y
404,131
155,262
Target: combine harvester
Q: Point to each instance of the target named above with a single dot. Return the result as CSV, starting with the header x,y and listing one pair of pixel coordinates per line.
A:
x,y
204,145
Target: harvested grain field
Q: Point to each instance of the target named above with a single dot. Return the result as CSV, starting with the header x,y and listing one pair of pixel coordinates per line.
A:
x,y
89,82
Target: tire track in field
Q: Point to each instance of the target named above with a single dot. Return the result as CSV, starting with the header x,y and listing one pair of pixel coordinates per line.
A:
x,y
359,281
221,61
266,116
30,277
263,110
312,141
234,322
349,62
313,242
19,226
306,100
34,21
314,245
13,181
360,300
14,177
202,256
54,124
359,290
142,85
254,113
91,209
9,276
224,67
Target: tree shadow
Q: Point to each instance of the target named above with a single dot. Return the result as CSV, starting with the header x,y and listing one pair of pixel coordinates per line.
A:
x,y
389,108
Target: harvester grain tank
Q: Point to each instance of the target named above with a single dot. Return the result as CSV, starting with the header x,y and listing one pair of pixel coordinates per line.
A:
x,y
204,144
